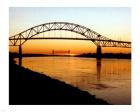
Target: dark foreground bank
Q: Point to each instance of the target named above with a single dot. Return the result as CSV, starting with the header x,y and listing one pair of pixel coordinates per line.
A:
x,y
27,87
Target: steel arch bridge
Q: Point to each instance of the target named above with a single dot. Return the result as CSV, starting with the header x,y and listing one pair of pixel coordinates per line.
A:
x,y
98,39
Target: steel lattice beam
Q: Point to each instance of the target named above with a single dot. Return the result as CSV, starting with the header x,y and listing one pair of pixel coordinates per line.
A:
x,y
95,37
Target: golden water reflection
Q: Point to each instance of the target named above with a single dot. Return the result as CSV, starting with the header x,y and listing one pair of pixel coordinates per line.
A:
x,y
109,79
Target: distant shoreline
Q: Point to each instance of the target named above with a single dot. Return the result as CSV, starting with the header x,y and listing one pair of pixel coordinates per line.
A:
x,y
107,55
86,55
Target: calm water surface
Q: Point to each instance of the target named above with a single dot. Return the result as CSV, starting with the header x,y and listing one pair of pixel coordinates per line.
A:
x,y
109,79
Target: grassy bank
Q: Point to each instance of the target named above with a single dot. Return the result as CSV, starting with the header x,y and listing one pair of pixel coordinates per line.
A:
x,y
27,87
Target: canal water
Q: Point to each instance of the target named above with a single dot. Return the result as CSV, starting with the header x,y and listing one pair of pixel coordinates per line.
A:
x,y
108,79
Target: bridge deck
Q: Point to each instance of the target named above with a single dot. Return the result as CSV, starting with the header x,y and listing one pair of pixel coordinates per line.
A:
x,y
58,38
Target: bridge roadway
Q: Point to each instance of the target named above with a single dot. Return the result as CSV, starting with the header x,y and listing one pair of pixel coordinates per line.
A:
x,y
69,38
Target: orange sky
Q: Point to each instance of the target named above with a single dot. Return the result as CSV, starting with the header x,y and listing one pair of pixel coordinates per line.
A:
x,y
75,47
113,23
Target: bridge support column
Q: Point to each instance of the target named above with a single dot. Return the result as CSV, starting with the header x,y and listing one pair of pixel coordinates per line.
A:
x,y
20,55
99,52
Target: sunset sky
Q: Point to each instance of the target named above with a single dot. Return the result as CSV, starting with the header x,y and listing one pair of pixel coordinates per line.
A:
x,y
113,23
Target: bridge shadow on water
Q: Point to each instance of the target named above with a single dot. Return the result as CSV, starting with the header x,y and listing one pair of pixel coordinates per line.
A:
x,y
27,87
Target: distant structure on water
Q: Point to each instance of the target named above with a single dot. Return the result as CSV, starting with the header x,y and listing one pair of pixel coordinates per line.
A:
x,y
60,52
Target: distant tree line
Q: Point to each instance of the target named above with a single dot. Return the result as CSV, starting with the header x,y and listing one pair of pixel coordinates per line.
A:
x,y
107,55
90,55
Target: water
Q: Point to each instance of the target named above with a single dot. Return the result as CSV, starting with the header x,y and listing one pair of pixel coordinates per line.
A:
x,y
108,79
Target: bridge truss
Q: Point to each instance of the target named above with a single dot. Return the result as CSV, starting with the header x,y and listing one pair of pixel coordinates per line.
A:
x,y
96,38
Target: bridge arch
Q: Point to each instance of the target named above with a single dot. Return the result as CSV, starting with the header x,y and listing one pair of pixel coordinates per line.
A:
x,y
21,38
